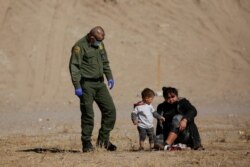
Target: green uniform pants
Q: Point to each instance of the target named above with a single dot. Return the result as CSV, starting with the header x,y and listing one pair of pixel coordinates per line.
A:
x,y
98,92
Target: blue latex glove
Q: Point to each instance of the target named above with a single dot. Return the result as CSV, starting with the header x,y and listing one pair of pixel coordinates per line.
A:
x,y
78,92
111,83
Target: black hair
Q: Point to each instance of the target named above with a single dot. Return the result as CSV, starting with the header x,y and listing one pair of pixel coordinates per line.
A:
x,y
169,90
147,93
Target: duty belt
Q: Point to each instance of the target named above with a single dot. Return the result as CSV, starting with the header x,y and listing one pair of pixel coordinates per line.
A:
x,y
101,79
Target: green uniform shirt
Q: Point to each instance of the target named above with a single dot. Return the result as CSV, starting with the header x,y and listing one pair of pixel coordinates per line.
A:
x,y
88,62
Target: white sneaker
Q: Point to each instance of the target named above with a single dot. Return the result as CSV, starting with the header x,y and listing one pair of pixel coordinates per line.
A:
x,y
172,148
166,147
182,146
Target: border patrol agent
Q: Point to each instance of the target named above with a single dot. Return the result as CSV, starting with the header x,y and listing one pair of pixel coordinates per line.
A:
x,y
88,64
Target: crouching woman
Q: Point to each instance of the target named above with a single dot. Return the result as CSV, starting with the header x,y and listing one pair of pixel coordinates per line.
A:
x,y
179,125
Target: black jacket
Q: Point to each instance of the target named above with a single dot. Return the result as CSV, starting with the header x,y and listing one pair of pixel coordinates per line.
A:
x,y
185,108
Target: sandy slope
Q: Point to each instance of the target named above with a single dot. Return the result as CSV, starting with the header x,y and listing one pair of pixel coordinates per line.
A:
x,y
201,47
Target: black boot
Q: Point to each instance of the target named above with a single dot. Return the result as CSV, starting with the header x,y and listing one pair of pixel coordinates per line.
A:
x,y
109,146
106,144
87,146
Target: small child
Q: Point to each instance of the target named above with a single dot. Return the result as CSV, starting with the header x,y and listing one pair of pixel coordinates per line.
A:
x,y
143,116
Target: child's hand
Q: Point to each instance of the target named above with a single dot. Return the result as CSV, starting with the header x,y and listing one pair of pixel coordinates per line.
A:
x,y
135,122
162,119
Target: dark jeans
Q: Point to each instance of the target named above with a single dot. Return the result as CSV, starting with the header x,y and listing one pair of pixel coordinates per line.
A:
x,y
143,133
189,136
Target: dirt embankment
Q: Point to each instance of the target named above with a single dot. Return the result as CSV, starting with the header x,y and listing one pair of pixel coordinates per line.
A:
x,y
201,47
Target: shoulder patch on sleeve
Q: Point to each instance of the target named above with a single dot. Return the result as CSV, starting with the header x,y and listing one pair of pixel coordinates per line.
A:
x,y
76,50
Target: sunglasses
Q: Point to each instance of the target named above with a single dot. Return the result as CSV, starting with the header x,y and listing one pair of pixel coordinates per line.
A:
x,y
97,39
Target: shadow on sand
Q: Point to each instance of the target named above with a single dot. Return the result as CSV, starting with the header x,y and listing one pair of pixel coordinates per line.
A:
x,y
46,150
